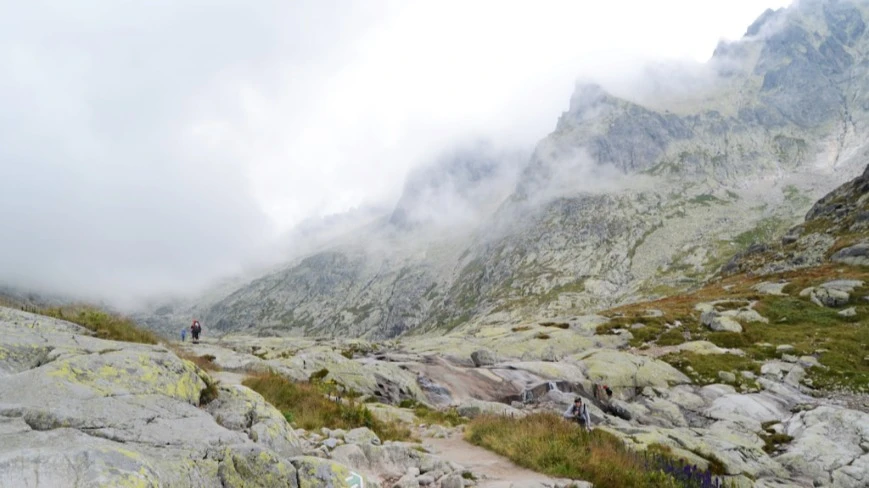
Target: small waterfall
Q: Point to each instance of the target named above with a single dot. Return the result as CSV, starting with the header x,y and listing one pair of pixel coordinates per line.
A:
x,y
553,386
527,396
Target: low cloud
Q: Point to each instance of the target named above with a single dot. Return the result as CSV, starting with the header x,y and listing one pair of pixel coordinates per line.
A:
x,y
153,148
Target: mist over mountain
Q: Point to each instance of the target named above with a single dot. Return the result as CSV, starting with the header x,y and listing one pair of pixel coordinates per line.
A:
x,y
636,193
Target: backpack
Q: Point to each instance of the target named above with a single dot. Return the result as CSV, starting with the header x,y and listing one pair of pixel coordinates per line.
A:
x,y
197,328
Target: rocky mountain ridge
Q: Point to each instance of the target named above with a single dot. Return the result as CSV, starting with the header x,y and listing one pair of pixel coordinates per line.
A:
x,y
630,197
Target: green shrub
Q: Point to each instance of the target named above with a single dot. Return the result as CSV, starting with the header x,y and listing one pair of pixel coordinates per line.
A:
x,y
772,441
318,375
408,403
210,392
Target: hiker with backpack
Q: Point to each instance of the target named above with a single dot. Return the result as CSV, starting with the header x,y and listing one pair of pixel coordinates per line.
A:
x,y
578,412
195,330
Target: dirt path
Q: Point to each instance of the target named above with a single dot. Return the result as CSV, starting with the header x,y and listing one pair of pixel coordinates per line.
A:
x,y
499,472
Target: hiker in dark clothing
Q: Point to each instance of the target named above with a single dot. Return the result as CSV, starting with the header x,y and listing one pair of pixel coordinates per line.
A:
x,y
578,412
195,330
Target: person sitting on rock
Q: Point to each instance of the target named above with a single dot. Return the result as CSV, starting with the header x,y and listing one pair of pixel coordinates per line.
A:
x,y
578,412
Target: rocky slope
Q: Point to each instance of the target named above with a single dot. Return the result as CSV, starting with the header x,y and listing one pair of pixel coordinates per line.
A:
x,y
835,229
82,412
760,375
633,195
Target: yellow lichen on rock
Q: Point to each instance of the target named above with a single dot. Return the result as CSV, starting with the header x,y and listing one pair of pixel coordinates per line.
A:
x,y
119,372
253,468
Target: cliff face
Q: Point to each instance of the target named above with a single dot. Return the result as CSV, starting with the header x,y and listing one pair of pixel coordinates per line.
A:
x,y
631,196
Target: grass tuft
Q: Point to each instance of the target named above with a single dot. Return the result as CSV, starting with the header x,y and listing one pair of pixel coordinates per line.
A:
x,y
310,409
105,325
318,375
449,417
205,362
560,325
210,392
704,368
550,445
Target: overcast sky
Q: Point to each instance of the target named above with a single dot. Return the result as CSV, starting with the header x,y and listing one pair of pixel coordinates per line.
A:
x,y
154,145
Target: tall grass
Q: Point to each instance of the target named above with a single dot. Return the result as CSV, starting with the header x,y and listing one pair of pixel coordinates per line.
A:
x,y
307,406
549,444
105,325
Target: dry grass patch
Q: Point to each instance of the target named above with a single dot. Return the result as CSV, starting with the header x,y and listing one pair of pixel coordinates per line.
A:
x,y
205,361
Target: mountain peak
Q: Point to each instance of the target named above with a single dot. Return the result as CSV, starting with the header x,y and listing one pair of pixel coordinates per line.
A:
x,y
764,21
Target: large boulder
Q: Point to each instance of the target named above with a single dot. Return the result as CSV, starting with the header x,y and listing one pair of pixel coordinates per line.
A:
x,y
665,413
57,457
390,460
760,407
830,297
624,370
473,408
720,323
253,467
830,443
857,255
361,435
482,358
241,409
317,473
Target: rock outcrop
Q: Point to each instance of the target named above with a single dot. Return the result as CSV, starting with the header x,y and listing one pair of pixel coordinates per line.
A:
x,y
80,411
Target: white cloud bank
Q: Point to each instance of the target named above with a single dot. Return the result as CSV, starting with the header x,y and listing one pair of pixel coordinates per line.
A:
x,y
151,147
